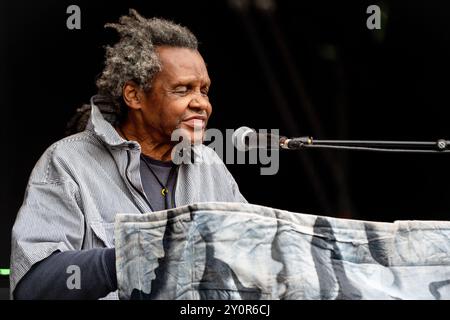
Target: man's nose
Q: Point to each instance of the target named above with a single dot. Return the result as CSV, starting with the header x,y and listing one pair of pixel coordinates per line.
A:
x,y
199,102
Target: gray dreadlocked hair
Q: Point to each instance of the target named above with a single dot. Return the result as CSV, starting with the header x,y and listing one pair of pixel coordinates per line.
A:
x,y
132,58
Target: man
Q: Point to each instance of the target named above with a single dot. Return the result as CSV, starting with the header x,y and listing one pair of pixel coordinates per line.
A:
x,y
154,82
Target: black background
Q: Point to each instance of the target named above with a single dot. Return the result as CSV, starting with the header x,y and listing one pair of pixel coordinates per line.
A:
x,y
360,83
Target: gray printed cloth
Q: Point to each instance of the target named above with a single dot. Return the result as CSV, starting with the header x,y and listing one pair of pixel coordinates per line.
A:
x,y
243,251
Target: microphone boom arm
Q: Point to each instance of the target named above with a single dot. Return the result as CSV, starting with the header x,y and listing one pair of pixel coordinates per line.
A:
x,y
438,146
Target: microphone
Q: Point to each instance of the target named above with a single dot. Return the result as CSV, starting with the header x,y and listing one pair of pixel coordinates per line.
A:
x,y
245,138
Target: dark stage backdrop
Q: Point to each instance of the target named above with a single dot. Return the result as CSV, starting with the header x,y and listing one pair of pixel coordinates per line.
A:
x,y
269,66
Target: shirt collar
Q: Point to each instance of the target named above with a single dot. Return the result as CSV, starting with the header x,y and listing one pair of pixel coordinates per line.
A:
x,y
105,131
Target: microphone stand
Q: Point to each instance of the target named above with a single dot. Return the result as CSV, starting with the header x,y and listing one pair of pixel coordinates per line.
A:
x,y
439,146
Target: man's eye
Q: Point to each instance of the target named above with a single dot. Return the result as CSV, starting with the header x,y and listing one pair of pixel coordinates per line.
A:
x,y
181,90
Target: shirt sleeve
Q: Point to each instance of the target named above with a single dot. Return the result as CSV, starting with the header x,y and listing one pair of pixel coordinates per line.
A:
x,y
50,219
86,274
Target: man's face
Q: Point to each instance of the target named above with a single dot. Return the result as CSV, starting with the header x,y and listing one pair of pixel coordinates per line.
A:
x,y
178,98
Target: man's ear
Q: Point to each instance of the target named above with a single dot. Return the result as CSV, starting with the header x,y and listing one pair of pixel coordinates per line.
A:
x,y
132,95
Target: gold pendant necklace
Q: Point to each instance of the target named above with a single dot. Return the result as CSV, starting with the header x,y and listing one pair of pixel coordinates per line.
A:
x,y
164,190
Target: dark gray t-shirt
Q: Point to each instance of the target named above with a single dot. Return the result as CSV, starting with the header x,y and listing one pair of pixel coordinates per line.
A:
x,y
167,175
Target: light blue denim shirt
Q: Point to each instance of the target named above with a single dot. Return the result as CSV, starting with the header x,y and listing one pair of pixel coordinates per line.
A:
x,y
81,182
